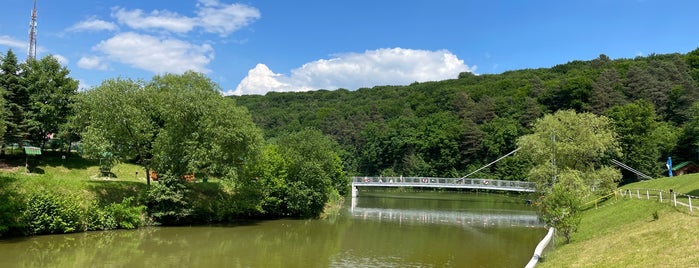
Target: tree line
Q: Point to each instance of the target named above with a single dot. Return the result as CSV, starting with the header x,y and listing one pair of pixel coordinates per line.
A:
x,y
173,126
451,127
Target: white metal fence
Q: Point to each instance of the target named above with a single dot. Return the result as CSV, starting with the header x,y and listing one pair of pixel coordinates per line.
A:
x,y
662,196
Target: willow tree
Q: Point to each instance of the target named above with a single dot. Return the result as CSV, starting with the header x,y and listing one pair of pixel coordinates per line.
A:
x,y
572,154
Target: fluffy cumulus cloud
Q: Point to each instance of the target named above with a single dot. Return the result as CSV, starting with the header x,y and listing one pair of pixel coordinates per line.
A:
x,y
93,25
223,19
150,45
166,20
212,17
394,66
92,63
155,54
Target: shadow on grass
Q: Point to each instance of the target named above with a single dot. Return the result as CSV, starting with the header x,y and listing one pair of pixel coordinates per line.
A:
x,y
694,192
71,161
115,191
48,158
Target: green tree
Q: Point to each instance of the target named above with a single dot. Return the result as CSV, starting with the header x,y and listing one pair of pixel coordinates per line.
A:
x,y
297,175
200,131
17,100
636,125
120,113
51,91
606,92
570,152
177,124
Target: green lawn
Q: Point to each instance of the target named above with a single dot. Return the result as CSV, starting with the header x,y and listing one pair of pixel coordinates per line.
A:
x,y
625,233
73,175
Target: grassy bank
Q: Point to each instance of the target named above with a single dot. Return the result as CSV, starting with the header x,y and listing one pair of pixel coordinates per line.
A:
x,y
635,233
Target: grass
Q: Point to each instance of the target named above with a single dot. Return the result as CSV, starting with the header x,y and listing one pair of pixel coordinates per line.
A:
x,y
635,233
72,175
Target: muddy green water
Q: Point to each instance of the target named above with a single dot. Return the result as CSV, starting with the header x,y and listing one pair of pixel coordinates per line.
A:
x,y
375,230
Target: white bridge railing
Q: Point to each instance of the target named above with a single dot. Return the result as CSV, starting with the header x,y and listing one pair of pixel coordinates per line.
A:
x,y
464,183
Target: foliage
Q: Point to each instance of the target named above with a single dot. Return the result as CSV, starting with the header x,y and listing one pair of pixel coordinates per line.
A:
x,y
394,129
51,92
200,131
117,117
642,138
561,206
570,152
126,214
176,124
167,201
14,102
51,213
296,176
10,208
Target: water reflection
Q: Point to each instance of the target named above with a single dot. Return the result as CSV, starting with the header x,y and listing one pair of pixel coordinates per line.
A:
x,y
464,217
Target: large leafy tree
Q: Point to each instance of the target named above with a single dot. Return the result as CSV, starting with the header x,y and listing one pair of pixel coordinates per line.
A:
x,y
176,124
119,117
571,153
51,92
200,131
642,137
296,176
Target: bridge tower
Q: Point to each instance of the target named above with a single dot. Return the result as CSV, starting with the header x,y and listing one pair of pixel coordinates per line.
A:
x,y
31,51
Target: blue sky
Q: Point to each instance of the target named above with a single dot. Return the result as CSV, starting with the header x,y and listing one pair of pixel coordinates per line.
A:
x,y
253,47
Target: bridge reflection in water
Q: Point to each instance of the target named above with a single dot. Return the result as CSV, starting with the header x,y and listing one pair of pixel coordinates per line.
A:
x,y
479,218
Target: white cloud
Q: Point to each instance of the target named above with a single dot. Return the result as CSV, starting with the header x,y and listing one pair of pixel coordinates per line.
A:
x,y
156,19
93,24
62,60
224,19
156,54
212,16
83,85
11,42
391,66
92,63
261,80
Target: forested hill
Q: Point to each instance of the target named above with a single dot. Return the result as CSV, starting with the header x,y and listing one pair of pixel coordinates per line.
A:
x,y
451,127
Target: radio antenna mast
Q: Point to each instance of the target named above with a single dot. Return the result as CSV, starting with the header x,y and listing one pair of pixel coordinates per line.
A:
x,y
31,52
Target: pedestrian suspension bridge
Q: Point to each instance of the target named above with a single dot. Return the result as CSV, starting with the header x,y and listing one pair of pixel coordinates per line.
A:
x,y
429,182
459,183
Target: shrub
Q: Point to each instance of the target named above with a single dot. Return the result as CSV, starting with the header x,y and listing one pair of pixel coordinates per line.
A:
x,y
126,214
167,201
10,209
49,213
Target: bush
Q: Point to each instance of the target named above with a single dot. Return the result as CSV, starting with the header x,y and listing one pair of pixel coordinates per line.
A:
x,y
124,215
99,219
10,209
50,213
167,201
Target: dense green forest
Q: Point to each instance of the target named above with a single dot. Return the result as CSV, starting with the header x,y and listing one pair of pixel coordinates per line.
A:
x,y
449,128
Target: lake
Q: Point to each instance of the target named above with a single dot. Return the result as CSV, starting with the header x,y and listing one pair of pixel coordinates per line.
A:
x,y
376,229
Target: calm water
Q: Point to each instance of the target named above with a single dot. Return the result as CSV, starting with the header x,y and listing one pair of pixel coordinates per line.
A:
x,y
376,230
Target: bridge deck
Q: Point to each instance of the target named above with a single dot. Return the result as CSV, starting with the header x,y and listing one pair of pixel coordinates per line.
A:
x,y
463,183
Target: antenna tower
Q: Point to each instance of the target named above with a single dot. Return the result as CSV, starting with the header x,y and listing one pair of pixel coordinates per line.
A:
x,y
31,52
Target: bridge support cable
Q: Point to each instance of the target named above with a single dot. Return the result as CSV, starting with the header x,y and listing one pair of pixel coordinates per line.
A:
x,y
624,166
491,163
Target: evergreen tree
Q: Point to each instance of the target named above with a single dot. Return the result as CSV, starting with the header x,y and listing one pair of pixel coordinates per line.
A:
x,y
17,100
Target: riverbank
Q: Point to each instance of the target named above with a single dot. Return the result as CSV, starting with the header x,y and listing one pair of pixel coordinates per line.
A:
x,y
624,232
